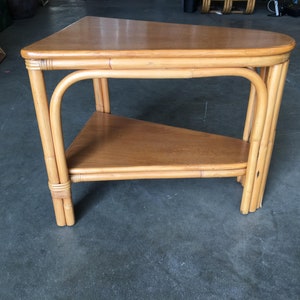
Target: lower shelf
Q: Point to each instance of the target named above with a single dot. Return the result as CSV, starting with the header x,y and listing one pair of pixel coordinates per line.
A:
x,y
111,147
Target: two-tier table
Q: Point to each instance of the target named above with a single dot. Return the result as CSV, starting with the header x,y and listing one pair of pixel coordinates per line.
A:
x,y
112,147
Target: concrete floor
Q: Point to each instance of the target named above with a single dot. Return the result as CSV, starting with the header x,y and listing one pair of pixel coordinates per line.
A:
x,y
155,239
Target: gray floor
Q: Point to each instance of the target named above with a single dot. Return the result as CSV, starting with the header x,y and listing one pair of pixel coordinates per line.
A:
x,y
155,239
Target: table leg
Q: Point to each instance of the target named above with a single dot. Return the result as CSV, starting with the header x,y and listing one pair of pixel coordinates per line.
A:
x,y
101,94
42,112
278,87
275,79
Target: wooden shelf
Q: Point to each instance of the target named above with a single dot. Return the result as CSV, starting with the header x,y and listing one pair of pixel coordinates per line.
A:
x,y
111,147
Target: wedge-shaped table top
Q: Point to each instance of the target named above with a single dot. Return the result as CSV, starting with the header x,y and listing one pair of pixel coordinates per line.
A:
x,y
93,37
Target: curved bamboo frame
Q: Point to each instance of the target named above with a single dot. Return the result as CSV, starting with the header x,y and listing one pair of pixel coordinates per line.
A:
x,y
256,132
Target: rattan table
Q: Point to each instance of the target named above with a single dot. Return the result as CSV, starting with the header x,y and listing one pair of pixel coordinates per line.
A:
x,y
112,147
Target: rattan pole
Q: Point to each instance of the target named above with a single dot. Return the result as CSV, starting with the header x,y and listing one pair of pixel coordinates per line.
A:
x,y
42,112
69,210
273,132
114,176
247,132
273,83
101,94
255,141
62,168
105,94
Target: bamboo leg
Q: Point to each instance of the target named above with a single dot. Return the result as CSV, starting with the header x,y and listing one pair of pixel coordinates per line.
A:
x,y
250,114
250,176
272,132
255,143
63,191
275,83
42,112
101,94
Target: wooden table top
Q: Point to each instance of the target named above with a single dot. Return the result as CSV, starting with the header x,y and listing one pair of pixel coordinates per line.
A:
x,y
95,37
